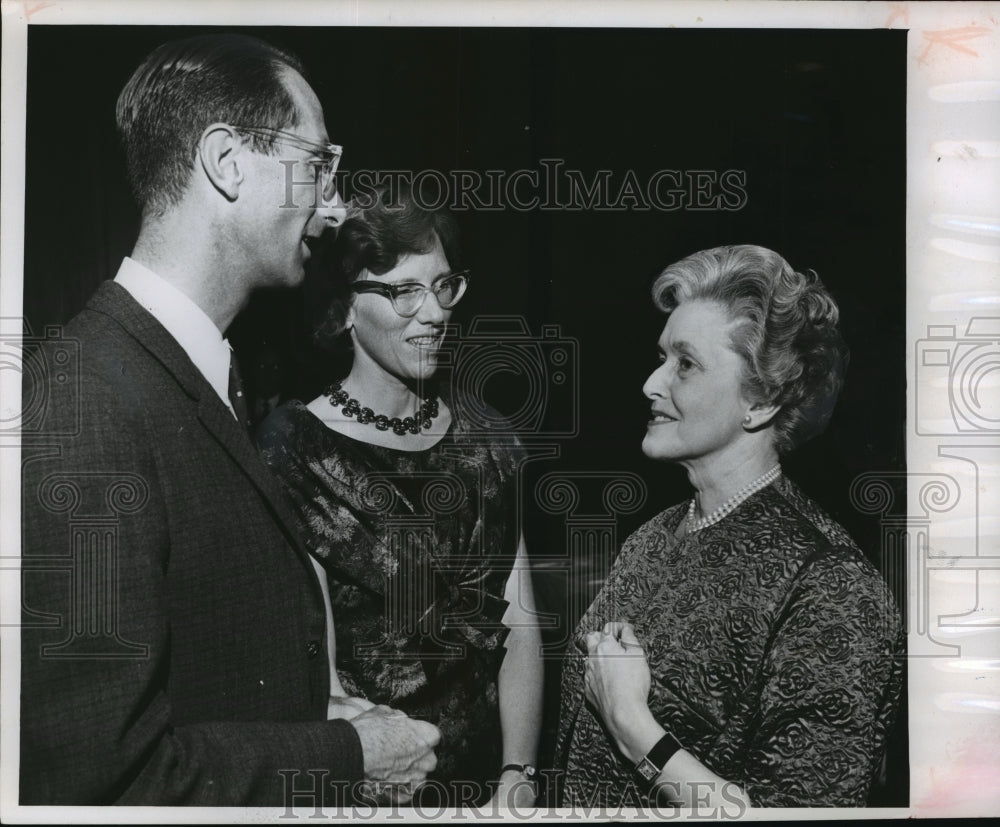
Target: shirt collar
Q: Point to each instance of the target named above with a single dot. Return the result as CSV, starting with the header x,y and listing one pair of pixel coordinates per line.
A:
x,y
183,319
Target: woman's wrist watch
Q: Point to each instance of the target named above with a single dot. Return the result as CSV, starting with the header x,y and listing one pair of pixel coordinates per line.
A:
x,y
652,764
527,770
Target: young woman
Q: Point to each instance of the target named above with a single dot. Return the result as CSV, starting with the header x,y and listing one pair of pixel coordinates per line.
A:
x,y
412,514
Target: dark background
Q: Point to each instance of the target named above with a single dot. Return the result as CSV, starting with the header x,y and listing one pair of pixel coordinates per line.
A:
x,y
816,119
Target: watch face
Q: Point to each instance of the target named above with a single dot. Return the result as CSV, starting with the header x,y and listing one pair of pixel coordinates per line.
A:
x,y
530,771
647,769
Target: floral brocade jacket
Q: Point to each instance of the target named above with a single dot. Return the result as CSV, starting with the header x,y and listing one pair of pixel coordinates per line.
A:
x,y
776,654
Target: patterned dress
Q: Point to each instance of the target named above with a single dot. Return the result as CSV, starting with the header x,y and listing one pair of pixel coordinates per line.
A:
x,y
418,547
775,650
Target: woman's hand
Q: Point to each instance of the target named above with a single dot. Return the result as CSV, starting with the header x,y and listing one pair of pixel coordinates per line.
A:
x,y
616,672
616,683
514,791
340,706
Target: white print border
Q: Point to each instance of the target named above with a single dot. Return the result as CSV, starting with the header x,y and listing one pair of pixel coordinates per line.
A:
x,y
952,229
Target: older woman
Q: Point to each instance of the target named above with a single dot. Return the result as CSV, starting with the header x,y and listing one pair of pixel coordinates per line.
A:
x,y
743,650
412,513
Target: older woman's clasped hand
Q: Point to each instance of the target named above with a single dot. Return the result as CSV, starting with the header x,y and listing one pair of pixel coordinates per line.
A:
x,y
616,676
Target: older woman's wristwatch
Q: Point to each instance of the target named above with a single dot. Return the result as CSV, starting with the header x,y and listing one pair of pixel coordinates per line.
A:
x,y
526,770
652,764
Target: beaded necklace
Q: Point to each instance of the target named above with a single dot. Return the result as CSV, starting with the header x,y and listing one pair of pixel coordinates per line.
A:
x,y
408,425
729,505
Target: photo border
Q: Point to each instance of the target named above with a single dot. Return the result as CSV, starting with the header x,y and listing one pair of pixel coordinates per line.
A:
x,y
953,258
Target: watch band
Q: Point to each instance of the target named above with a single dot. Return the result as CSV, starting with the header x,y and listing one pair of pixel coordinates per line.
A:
x,y
652,764
526,770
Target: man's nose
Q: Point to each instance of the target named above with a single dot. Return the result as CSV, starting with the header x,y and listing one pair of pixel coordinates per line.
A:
x,y
333,212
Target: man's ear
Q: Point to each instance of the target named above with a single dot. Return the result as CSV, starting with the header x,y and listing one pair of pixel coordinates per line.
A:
x,y
221,154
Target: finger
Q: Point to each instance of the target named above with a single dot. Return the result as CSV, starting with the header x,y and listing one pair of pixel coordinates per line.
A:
x,y
614,628
404,796
592,638
376,712
395,791
608,646
427,733
426,763
412,779
628,634
391,712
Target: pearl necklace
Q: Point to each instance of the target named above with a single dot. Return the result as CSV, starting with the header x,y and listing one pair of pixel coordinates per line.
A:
x,y
408,425
729,505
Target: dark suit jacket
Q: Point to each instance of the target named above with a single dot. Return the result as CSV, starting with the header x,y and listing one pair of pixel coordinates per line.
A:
x,y
173,649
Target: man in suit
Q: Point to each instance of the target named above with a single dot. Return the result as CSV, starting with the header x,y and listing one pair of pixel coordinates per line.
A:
x,y
176,648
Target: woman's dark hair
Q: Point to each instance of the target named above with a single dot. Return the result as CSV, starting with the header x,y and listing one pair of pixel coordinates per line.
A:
x,y
382,227
183,87
785,330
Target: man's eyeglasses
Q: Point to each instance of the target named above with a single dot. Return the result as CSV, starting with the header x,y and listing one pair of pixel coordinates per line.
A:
x,y
408,297
324,164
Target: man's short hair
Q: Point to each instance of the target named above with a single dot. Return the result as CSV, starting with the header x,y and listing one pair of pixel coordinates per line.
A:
x,y
184,86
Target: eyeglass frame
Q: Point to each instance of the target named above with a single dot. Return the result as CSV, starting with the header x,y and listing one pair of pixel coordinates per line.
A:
x,y
325,166
390,291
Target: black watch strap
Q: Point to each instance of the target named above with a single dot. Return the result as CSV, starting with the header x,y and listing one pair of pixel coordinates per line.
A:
x,y
526,770
650,767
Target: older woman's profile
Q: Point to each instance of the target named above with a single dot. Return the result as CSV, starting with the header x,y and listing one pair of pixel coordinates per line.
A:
x,y
743,648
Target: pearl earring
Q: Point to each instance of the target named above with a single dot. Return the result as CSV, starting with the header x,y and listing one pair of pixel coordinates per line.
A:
x,y
747,419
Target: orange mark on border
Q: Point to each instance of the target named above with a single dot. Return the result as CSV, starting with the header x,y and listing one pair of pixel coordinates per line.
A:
x,y
30,10
899,10
953,39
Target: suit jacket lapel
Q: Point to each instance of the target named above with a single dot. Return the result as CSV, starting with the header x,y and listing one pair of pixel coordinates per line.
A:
x,y
115,301
230,434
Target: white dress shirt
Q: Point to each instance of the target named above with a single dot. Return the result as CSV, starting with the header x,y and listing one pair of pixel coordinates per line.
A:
x,y
197,334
